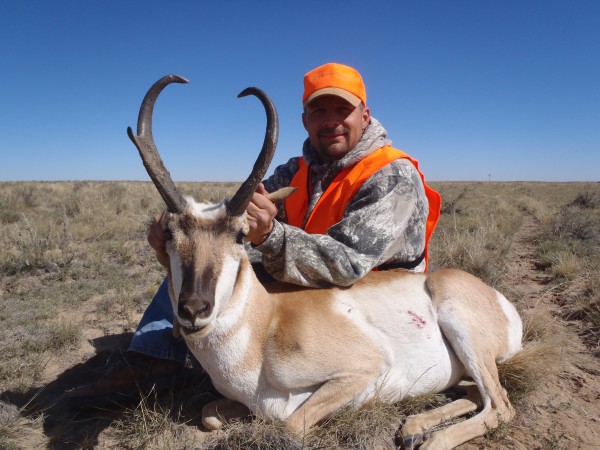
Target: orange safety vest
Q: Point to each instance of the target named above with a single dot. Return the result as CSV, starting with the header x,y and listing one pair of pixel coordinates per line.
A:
x,y
330,208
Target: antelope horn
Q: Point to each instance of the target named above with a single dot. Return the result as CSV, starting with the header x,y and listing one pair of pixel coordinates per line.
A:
x,y
239,202
144,141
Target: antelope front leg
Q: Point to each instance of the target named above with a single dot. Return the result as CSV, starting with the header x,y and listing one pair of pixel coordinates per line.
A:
x,y
331,396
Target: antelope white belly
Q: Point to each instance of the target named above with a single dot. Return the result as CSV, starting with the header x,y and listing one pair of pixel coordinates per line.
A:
x,y
418,358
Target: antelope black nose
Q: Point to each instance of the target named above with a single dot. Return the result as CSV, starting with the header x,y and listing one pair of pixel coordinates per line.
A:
x,y
191,310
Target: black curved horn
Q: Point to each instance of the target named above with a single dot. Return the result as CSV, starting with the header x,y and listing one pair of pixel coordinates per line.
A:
x,y
239,202
144,141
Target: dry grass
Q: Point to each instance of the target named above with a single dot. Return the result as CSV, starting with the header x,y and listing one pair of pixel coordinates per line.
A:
x,y
258,435
544,355
475,233
373,425
74,265
15,422
152,425
569,251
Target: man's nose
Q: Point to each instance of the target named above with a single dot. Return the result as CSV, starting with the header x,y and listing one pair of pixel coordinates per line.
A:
x,y
331,119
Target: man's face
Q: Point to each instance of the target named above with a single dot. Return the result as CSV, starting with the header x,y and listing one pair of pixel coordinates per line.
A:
x,y
334,126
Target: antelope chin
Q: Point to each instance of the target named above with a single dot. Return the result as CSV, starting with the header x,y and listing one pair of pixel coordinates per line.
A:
x,y
192,330
195,330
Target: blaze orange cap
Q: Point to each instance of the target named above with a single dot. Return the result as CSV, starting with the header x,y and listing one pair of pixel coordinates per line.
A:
x,y
334,79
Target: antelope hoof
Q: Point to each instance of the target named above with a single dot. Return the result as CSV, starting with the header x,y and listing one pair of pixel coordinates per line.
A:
x,y
216,414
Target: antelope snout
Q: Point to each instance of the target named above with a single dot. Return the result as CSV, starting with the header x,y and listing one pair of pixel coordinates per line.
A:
x,y
192,309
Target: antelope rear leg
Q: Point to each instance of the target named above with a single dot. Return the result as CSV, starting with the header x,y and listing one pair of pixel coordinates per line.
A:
x,y
496,409
218,412
482,327
416,426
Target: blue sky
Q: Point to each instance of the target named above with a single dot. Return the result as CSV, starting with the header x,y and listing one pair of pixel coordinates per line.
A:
x,y
474,89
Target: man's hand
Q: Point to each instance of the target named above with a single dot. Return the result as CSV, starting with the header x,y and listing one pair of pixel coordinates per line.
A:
x,y
261,211
158,236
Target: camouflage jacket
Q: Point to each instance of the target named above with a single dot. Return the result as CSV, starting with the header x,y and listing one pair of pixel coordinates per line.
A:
x,y
383,223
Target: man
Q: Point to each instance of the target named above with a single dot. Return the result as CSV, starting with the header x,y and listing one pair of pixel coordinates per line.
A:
x,y
360,205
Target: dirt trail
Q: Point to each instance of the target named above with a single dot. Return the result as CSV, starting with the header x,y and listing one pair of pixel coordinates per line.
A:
x,y
564,413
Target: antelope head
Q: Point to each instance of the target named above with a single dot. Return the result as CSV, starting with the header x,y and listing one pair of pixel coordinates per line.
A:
x,y
205,243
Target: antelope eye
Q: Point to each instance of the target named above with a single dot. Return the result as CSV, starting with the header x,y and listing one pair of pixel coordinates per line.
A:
x,y
169,235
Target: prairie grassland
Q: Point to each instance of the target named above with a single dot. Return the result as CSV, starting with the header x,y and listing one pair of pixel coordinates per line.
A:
x,y
76,272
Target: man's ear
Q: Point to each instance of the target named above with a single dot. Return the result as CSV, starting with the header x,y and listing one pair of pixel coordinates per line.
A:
x,y
366,117
304,120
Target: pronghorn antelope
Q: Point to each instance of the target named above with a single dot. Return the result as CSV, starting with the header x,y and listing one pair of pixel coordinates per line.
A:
x,y
299,354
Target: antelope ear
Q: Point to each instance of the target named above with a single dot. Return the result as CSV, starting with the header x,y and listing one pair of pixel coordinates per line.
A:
x,y
244,226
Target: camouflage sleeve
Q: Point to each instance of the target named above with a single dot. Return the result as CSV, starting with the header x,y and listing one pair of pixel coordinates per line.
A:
x,y
384,221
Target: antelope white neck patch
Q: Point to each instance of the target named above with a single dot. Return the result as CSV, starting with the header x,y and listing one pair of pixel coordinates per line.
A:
x,y
226,282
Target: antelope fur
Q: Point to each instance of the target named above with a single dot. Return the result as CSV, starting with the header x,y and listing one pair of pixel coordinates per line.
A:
x,y
298,354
